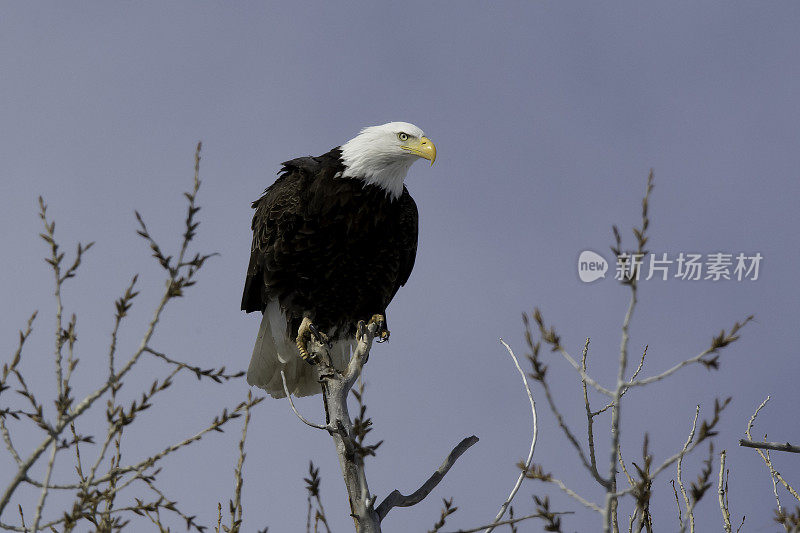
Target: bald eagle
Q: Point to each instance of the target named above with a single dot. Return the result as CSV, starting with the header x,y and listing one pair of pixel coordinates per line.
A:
x,y
334,238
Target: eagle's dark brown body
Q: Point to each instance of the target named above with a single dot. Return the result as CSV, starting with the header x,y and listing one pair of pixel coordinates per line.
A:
x,y
331,247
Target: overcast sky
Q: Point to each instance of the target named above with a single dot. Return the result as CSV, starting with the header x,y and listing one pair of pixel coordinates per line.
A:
x,y
547,118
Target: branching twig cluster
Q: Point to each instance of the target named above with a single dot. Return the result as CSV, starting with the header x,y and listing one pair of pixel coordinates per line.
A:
x,y
107,491
790,520
315,508
362,424
639,478
447,509
551,519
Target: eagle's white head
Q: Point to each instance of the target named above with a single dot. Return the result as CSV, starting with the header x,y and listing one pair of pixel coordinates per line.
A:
x,y
381,155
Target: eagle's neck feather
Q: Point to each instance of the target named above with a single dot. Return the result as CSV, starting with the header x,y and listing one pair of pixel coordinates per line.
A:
x,y
374,167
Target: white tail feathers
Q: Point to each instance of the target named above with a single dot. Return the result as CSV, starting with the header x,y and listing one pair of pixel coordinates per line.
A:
x,y
275,351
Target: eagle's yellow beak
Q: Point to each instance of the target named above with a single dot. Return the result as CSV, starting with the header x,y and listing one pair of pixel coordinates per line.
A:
x,y
423,147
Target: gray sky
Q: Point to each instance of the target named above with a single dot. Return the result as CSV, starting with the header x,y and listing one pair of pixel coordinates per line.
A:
x,y
547,118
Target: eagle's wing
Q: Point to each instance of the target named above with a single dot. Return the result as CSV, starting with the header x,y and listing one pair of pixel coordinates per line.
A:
x,y
409,231
278,233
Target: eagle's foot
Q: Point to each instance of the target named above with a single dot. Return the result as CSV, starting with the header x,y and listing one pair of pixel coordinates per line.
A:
x,y
382,334
320,336
306,330
304,355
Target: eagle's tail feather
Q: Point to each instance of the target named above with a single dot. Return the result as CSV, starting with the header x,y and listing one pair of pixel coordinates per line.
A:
x,y
274,351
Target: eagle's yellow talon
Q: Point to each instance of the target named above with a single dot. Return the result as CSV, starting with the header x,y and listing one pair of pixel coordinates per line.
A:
x,y
304,333
382,333
301,347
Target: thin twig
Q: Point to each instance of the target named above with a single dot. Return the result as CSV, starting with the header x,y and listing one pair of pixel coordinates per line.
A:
x,y
55,262
533,441
666,464
686,500
587,406
574,495
43,495
624,468
721,491
569,434
7,440
652,379
170,505
633,378
509,521
237,499
217,375
717,343
677,504
586,377
78,462
301,417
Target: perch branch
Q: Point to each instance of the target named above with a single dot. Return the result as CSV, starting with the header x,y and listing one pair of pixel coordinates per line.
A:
x,y
336,387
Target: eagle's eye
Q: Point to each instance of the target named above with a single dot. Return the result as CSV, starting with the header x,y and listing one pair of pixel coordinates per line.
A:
x,y
402,136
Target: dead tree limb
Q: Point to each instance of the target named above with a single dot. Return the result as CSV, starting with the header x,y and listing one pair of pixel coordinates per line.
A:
x,y
336,386
777,446
396,499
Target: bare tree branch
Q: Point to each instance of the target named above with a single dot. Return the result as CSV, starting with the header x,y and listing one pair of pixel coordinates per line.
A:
x,y
722,490
289,397
584,376
774,475
686,500
533,441
511,521
95,492
396,499
43,495
777,446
